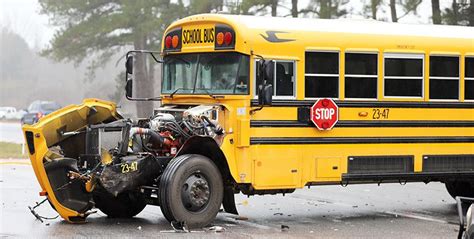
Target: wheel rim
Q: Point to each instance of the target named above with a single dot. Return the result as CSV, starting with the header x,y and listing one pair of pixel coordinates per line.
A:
x,y
195,192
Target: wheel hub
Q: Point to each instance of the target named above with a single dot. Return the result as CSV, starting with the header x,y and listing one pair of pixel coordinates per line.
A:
x,y
195,192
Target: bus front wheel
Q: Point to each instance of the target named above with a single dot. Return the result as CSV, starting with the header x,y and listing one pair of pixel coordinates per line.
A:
x,y
191,190
460,188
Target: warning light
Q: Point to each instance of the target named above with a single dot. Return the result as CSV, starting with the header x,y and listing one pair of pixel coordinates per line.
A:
x,y
175,41
168,42
224,38
228,38
220,38
325,125
325,102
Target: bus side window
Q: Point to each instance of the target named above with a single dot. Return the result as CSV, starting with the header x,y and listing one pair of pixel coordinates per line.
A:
x,y
403,75
284,81
469,78
321,74
444,77
361,75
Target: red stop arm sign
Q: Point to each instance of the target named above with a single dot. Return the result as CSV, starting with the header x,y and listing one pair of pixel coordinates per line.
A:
x,y
324,114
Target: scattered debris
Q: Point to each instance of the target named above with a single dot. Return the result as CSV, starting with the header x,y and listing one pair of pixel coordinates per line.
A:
x,y
139,228
242,218
47,224
335,229
311,231
179,227
355,206
39,217
285,228
289,215
216,229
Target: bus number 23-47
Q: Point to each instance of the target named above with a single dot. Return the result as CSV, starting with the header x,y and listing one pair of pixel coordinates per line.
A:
x,y
129,167
380,113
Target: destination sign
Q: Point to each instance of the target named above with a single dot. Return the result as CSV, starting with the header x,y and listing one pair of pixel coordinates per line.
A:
x,y
198,35
204,35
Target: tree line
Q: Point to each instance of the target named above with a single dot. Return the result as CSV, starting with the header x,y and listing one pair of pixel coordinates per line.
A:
x,y
100,29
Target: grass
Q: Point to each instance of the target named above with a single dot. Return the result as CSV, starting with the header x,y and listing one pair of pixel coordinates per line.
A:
x,y
12,150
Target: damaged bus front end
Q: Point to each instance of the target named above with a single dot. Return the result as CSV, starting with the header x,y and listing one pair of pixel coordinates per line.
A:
x,y
87,156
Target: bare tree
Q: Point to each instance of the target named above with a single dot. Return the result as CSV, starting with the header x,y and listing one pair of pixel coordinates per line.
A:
x,y
393,11
294,8
436,11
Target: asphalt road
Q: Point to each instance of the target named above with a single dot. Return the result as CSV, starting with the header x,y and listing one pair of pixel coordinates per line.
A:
x,y
358,211
11,132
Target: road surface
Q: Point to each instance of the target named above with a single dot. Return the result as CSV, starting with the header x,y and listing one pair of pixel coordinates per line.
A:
x,y
357,211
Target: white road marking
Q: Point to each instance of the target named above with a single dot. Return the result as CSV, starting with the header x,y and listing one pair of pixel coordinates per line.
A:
x,y
414,216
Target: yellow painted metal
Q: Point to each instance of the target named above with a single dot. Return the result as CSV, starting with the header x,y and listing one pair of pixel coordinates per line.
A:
x,y
293,166
243,139
47,133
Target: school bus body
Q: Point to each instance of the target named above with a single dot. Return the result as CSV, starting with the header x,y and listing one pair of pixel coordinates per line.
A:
x,y
383,139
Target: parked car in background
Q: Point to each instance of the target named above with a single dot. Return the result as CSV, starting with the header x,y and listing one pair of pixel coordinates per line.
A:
x,y
10,113
37,110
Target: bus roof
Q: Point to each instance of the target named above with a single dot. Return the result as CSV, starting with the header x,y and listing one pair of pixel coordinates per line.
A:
x,y
293,36
336,25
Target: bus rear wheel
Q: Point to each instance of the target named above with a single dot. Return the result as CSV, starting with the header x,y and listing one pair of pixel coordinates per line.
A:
x,y
191,190
460,188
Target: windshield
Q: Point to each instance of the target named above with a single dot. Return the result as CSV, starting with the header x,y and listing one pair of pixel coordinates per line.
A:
x,y
206,73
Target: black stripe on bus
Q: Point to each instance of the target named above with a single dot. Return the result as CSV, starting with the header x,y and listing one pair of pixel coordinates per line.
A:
x,y
364,123
373,104
360,140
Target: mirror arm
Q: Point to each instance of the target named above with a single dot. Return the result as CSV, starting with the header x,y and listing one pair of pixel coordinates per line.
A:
x,y
252,111
156,59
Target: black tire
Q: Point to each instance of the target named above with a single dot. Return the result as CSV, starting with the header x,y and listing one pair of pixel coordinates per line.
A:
x,y
184,196
460,188
125,205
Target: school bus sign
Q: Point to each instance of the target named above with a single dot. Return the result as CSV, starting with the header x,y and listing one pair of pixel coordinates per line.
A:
x,y
324,114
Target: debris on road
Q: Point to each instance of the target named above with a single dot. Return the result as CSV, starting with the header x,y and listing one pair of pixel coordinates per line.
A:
x,y
139,228
242,218
285,228
216,229
179,226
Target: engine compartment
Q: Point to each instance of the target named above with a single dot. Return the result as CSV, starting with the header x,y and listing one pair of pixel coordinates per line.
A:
x,y
116,165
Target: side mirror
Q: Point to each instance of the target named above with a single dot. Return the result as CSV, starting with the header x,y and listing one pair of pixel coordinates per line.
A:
x,y
266,75
128,77
129,88
269,70
265,94
129,65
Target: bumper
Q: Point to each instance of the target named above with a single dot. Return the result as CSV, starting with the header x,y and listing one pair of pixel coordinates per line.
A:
x,y
48,132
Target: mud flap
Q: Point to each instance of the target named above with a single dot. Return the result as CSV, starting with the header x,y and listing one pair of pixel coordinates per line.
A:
x,y
229,201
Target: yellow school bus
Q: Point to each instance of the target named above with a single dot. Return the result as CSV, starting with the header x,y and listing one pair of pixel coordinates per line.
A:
x,y
239,113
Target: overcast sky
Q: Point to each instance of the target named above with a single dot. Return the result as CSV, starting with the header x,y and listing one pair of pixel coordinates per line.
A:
x,y
23,17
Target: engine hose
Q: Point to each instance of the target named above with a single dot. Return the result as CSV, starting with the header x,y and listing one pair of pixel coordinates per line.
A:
x,y
155,138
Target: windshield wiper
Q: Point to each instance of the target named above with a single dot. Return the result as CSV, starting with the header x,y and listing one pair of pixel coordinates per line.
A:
x,y
175,91
209,93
